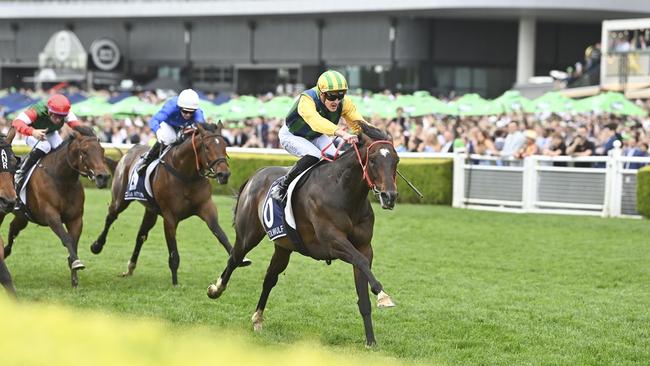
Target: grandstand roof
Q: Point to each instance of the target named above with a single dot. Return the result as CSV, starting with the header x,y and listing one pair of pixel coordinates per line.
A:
x,y
574,10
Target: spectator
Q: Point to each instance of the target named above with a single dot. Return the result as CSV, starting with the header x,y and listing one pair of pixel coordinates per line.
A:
x,y
514,141
581,146
529,148
557,147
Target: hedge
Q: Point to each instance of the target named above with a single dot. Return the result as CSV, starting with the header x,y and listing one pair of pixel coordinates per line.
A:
x,y
643,191
433,177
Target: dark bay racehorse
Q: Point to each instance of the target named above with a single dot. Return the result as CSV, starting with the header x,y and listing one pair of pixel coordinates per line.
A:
x,y
333,215
180,188
8,164
55,196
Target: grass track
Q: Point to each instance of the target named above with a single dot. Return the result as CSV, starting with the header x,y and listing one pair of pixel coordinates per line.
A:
x,y
472,287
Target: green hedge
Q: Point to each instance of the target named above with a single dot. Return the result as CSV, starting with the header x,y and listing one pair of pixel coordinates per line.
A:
x,y
433,177
643,191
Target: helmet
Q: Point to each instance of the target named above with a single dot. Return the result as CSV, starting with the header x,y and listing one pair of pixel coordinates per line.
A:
x,y
188,99
332,80
58,104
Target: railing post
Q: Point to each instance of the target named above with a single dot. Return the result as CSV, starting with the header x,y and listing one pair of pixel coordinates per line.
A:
x,y
613,188
458,193
529,184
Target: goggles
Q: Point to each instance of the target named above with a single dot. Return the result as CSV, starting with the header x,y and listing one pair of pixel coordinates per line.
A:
x,y
188,111
332,96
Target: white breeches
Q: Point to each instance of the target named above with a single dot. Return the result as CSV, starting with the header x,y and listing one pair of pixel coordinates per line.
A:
x,y
52,141
300,146
166,134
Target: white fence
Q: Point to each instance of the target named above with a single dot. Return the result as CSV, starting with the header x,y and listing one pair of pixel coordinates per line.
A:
x,y
538,184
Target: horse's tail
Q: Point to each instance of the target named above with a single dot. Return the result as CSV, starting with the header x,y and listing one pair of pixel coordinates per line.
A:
x,y
112,164
237,195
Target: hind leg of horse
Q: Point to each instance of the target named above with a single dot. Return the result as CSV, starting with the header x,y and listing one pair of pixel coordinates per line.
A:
x,y
278,264
17,225
148,221
118,205
171,223
245,242
74,228
208,213
361,285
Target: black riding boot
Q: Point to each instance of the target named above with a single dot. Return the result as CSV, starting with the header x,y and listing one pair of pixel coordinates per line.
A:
x,y
280,191
149,156
29,162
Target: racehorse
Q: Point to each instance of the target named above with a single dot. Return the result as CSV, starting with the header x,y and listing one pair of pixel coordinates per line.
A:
x,y
180,188
8,163
333,215
55,196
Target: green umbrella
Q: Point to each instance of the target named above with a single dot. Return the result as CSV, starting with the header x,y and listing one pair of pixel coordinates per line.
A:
x,y
133,106
93,106
473,105
555,102
513,101
611,102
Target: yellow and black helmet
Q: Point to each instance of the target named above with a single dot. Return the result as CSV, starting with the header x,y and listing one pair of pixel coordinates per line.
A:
x,y
332,80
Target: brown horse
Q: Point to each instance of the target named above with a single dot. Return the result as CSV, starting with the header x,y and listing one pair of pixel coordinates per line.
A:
x,y
8,165
55,196
334,219
180,188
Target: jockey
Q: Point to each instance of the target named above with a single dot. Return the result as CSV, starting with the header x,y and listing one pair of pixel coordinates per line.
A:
x,y
176,114
310,123
41,124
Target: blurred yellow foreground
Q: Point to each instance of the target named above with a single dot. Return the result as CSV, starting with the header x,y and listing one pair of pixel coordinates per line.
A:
x,y
37,334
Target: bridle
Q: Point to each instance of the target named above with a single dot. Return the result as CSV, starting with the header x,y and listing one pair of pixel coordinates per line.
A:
x,y
208,170
364,166
89,173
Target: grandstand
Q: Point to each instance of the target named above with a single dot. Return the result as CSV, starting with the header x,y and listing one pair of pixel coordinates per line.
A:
x,y
253,46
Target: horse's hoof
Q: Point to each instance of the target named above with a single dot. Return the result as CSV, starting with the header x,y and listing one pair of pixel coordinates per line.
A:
x,y
371,344
257,319
384,301
130,267
77,264
95,248
7,251
245,262
215,290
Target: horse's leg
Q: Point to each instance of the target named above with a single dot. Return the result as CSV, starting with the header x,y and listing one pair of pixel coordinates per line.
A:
x,y
208,213
118,205
171,223
17,224
247,237
343,249
54,222
5,279
278,264
361,284
74,228
148,221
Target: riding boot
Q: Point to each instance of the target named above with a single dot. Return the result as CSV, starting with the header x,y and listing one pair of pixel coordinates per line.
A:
x,y
29,162
279,192
149,156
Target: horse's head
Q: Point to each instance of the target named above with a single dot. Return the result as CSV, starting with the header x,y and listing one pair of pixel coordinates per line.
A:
x,y
210,150
380,165
86,156
8,163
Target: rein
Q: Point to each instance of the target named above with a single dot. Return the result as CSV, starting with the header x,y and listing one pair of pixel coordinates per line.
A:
x,y
209,171
364,166
90,174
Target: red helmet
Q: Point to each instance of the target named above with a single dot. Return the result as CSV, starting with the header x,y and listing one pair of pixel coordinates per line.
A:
x,y
58,104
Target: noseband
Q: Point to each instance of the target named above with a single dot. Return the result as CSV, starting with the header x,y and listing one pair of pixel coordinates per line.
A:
x,y
364,166
89,173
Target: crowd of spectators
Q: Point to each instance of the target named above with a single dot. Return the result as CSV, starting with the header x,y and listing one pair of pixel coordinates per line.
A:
x,y
507,136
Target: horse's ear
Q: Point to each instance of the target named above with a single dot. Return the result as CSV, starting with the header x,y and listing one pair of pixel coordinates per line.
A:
x,y
200,127
219,126
75,134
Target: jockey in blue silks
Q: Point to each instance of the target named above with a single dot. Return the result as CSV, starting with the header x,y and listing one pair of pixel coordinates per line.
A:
x,y
176,114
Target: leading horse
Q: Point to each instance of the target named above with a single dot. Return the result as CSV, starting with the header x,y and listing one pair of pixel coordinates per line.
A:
x,y
334,218
8,163
55,196
180,189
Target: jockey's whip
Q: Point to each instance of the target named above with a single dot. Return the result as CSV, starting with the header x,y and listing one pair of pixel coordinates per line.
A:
x,y
410,185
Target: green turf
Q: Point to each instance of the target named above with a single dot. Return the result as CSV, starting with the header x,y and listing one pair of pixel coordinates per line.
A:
x,y
471,287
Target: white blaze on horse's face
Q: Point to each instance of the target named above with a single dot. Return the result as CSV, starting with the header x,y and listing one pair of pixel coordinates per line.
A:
x,y
216,140
384,152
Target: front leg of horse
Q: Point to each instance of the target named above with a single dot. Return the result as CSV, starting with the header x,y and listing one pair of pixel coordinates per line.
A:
x,y
278,264
74,228
113,211
365,309
170,236
208,213
74,262
5,279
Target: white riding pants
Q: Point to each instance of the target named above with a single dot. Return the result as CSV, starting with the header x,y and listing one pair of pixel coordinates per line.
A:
x,y
166,134
300,146
52,141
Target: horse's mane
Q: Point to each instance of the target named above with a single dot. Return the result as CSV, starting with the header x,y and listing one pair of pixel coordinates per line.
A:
x,y
210,127
373,132
85,131
3,140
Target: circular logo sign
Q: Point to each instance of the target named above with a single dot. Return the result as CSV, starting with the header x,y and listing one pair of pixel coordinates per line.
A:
x,y
105,54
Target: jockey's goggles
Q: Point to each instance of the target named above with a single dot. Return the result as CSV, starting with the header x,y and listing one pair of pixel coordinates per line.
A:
x,y
188,111
332,96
